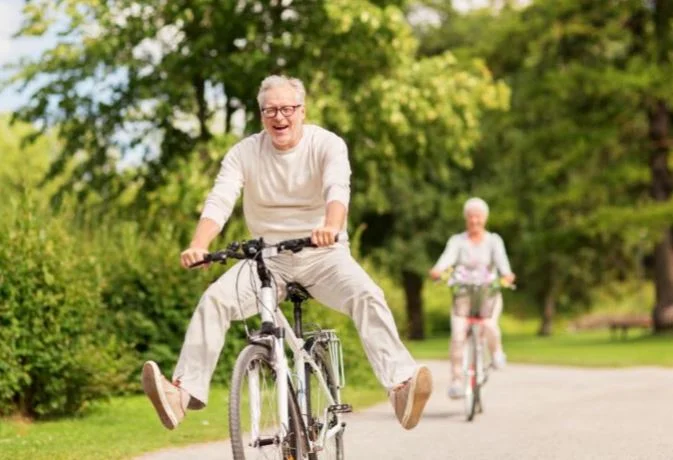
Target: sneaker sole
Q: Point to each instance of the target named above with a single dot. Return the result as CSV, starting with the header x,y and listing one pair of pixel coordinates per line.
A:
x,y
419,393
153,388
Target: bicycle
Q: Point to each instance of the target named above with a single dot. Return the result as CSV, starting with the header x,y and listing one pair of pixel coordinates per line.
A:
x,y
299,426
479,287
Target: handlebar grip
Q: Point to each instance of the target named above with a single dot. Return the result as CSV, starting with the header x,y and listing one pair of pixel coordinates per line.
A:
x,y
199,263
300,243
311,245
210,257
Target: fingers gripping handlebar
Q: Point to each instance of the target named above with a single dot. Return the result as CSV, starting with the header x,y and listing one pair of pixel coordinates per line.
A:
x,y
250,250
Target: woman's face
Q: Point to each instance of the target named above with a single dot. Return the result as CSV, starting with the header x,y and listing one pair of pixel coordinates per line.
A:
x,y
475,221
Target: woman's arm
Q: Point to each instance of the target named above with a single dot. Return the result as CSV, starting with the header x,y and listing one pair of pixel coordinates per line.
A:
x,y
500,258
448,258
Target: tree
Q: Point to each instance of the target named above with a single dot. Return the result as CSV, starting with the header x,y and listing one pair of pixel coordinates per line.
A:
x,y
130,71
141,68
413,131
566,163
658,105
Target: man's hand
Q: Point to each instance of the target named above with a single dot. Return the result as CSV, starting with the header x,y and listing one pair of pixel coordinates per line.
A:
x,y
324,236
435,274
192,255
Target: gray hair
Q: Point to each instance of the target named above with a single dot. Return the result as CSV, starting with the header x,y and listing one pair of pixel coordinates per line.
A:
x,y
475,204
274,81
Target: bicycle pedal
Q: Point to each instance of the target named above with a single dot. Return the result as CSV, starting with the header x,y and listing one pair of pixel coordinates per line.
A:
x,y
340,408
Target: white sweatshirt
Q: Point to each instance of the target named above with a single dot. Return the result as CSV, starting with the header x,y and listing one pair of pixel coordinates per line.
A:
x,y
285,193
490,252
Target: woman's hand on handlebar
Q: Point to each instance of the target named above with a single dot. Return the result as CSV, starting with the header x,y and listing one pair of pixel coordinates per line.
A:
x,y
508,280
435,275
191,256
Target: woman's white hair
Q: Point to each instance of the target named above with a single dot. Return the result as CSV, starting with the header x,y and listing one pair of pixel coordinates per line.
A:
x,y
475,204
274,81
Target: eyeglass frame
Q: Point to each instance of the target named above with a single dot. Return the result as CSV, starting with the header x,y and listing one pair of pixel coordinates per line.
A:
x,y
279,109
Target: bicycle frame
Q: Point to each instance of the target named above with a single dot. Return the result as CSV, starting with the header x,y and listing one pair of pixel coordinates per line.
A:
x,y
270,313
274,334
475,323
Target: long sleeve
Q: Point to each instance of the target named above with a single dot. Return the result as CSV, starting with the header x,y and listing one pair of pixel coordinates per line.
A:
x,y
222,198
336,172
500,256
450,255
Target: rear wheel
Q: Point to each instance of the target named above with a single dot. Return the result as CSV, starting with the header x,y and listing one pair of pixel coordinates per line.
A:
x,y
334,446
254,424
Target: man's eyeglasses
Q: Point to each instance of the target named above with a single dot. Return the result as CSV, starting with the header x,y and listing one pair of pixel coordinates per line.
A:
x,y
286,110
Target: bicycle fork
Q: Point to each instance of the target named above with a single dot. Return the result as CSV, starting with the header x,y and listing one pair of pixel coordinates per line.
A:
x,y
474,365
267,308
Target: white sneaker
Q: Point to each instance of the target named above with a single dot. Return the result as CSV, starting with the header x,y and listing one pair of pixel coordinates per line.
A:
x,y
499,360
456,390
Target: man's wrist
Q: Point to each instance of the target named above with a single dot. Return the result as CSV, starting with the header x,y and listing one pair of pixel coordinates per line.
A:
x,y
198,245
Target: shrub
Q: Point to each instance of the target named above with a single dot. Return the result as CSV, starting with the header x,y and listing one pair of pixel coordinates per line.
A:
x,y
150,298
54,355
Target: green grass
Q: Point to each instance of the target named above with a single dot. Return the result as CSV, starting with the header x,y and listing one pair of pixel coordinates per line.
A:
x,y
128,426
587,349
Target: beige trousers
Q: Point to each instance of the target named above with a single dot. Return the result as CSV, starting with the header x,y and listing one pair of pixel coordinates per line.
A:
x,y
332,277
459,326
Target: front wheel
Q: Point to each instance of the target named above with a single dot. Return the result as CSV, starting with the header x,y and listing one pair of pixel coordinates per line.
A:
x,y
471,366
254,423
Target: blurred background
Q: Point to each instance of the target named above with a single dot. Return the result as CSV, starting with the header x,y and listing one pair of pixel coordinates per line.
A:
x,y
114,116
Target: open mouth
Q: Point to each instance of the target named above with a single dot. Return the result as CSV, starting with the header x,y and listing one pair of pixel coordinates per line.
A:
x,y
281,128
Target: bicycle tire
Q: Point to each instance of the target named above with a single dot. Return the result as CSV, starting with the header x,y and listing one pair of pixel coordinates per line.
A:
x,y
474,378
321,357
295,444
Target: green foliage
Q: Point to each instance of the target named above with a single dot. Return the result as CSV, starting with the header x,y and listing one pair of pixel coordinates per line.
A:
x,y
54,354
22,167
149,296
566,170
176,73
415,136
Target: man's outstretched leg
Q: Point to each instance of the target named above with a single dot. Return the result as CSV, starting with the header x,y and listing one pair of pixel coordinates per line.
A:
x,y
409,398
334,278
203,343
169,400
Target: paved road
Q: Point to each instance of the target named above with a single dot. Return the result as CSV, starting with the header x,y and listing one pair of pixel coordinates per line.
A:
x,y
531,412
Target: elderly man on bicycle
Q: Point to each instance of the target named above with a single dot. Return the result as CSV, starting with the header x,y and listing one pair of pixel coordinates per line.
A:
x,y
474,250
295,179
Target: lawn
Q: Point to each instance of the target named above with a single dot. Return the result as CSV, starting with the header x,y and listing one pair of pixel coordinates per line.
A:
x,y
127,426
588,349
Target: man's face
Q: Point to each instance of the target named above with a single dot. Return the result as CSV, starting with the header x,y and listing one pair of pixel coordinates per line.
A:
x,y
285,129
475,221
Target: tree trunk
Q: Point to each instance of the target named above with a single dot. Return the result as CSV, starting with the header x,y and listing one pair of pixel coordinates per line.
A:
x,y
662,315
548,311
413,287
662,185
202,106
549,306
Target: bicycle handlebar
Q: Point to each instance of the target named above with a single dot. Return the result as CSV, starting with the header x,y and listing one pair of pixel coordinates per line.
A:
x,y
251,249
498,283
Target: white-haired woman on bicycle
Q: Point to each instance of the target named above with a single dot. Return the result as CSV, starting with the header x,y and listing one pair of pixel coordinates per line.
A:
x,y
473,249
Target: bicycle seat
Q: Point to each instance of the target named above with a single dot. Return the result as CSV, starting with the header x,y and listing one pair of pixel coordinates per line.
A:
x,y
297,293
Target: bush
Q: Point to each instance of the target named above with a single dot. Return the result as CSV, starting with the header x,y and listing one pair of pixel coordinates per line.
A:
x,y
54,356
150,298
